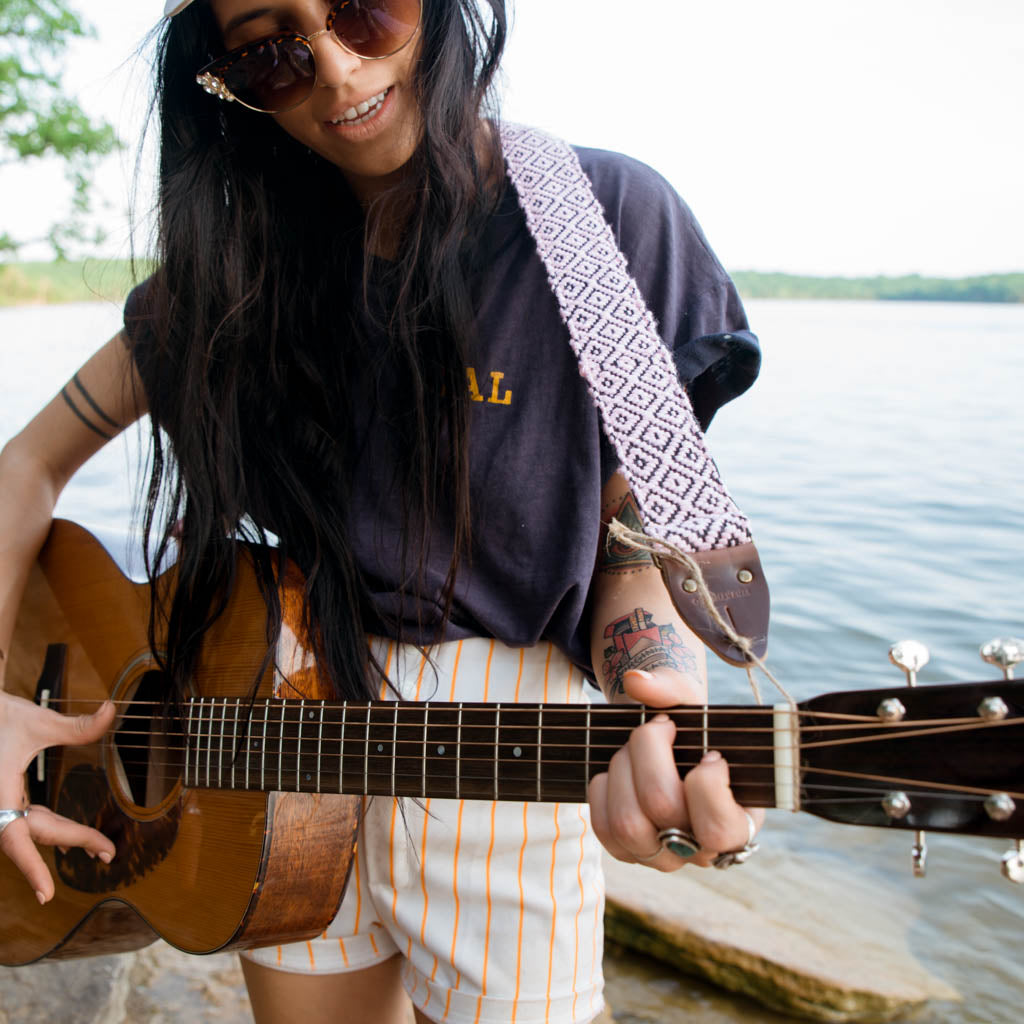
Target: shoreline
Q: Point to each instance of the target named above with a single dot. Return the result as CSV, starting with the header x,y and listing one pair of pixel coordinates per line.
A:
x,y
109,279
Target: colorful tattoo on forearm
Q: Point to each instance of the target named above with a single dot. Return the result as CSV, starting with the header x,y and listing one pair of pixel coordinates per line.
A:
x,y
85,407
617,558
637,642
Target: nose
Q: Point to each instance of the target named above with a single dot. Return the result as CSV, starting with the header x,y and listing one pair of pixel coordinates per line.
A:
x,y
334,64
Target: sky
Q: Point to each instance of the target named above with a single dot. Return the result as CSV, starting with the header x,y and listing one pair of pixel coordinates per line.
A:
x,y
808,136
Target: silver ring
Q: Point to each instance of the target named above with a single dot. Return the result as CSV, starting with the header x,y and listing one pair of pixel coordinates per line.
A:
x,y
654,856
7,816
744,853
679,843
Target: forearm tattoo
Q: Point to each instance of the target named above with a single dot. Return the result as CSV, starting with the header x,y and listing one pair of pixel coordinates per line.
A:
x,y
85,407
637,642
616,558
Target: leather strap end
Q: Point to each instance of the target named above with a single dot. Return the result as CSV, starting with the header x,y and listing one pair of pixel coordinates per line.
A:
x,y
740,592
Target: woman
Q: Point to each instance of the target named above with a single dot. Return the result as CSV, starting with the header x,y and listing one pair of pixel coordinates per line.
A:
x,y
351,345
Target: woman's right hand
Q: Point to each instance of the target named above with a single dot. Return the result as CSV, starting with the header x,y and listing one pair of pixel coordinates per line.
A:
x,y
25,730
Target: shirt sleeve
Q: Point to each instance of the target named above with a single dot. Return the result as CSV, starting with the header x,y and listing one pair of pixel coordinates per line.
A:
x,y
698,311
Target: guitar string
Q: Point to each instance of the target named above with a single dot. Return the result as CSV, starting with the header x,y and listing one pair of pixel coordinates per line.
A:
x,y
385,708
362,757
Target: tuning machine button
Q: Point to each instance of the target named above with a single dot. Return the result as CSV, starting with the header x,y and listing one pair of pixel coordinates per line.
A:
x,y
911,656
993,709
1013,863
896,805
1000,807
891,710
1005,651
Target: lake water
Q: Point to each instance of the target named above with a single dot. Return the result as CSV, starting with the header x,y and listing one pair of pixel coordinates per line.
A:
x,y
879,458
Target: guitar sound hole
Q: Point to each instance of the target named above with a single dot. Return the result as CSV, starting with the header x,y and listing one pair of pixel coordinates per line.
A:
x,y
149,748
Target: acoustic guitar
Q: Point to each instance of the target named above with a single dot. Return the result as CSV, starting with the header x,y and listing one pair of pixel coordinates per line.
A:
x,y
237,828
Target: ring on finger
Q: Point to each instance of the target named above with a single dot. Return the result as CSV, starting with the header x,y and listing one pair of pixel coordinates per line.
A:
x,y
654,856
7,816
679,842
744,853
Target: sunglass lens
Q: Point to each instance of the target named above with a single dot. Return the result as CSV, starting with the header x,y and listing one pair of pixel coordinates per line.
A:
x,y
376,28
274,76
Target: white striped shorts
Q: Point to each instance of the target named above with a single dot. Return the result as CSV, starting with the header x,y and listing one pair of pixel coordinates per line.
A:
x,y
496,908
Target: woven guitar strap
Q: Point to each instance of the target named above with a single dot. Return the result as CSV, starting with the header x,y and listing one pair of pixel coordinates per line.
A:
x,y
699,537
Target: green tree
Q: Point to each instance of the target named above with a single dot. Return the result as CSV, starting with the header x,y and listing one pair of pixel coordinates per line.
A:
x,y
37,118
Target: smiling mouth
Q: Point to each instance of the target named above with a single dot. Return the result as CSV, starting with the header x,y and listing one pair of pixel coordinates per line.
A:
x,y
363,112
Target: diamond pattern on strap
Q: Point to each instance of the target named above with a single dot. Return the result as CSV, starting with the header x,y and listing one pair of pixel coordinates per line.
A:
x,y
646,413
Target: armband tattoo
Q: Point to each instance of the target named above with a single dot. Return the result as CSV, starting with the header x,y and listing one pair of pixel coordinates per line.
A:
x,y
85,407
638,643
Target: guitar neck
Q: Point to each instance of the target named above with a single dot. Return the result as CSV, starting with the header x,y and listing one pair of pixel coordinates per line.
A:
x,y
522,752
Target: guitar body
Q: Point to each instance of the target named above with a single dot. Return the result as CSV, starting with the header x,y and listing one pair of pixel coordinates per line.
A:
x,y
205,869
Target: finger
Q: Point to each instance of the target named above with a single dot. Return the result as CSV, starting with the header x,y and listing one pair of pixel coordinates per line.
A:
x,y
50,728
718,821
56,830
629,826
659,789
664,688
597,794
16,842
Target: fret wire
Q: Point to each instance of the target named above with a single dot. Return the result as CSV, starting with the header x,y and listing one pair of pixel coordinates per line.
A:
x,y
394,748
497,746
248,745
234,741
586,762
319,748
188,735
263,752
423,774
209,741
458,756
220,749
366,752
540,744
341,751
298,747
280,748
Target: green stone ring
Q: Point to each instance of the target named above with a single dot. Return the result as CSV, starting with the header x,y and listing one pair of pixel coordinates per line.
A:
x,y
683,844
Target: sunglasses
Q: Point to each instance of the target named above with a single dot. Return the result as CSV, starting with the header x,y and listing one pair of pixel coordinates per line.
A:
x,y
278,73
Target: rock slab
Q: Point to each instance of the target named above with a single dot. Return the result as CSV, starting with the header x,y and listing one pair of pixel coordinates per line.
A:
x,y
793,941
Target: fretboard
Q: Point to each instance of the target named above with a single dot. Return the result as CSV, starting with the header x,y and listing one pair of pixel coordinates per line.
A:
x,y
535,752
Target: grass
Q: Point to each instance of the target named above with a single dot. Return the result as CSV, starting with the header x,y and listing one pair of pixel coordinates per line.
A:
x,y
91,280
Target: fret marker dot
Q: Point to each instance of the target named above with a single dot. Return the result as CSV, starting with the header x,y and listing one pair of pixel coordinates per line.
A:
x,y
255,744
308,776
517,751
380,748
440,750
311,714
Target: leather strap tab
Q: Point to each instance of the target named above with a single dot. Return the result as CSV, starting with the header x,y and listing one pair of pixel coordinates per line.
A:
x,y
740,592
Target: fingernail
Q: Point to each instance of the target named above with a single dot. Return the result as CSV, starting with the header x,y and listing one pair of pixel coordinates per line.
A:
x,y
640,672
105,857
711,757
40,896
661,718
63,849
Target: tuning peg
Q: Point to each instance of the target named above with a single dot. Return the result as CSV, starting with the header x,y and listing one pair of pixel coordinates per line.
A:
x,y
1005,651
1013,863
910,656
919,854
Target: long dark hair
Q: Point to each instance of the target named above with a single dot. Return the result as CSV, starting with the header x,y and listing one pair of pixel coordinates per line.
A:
x,y
258,330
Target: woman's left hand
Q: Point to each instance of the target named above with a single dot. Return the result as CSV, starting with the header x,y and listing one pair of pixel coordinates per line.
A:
x,y
642,793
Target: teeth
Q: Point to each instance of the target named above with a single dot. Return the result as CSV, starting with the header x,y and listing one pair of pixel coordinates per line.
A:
x,y
364,111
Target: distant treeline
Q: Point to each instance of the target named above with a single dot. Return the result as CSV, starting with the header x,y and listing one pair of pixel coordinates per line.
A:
x,y
98,279
753,284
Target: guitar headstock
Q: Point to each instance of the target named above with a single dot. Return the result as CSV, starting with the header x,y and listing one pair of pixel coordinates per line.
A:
x,y
945,758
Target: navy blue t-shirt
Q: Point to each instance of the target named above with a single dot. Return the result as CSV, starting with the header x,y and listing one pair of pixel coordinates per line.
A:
x,y
538,457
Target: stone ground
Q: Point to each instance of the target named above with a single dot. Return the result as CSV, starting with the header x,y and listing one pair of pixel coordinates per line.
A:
x,y
157,985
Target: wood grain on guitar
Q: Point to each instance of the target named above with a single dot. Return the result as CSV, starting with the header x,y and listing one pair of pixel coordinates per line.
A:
x,y
236,827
